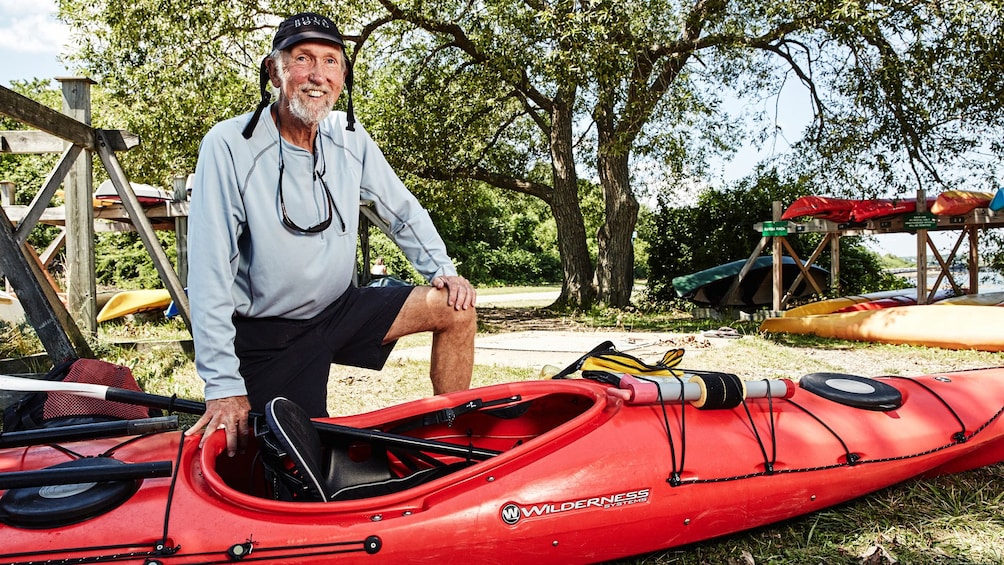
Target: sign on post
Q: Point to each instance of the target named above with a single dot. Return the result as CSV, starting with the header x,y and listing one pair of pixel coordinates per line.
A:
x,y
920,221
774,229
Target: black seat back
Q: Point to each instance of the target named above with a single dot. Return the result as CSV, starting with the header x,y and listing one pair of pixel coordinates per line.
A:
x,y
294,436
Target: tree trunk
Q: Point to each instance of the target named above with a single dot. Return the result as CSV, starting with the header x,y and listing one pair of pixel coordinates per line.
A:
x,y
615,259
576,289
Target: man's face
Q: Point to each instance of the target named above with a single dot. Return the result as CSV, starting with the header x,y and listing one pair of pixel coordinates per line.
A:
x,y
310,79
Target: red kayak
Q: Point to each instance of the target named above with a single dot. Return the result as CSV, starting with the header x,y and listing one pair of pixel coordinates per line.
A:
x,y
864,210
892,302
842,210
557,471
822,207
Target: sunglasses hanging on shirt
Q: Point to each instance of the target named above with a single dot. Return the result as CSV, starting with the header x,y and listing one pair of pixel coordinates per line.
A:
x,y
318,176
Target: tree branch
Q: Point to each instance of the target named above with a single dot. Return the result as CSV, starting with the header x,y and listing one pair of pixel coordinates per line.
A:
x,y
804,76
532,188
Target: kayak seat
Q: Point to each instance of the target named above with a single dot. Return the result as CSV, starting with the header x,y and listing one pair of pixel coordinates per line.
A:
x,y
355,464
316,472
291,438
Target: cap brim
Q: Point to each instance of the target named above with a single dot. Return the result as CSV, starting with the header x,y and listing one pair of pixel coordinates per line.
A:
x,y
308,35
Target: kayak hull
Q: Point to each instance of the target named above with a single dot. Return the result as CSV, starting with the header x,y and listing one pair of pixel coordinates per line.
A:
x,y
583,476
711,286
950,326
133,302
959,202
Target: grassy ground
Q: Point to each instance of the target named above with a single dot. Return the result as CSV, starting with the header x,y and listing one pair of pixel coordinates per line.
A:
x,y
954,519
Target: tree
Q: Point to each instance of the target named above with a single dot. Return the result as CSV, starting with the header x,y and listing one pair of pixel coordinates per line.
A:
x,y
642,79
718,229
530,95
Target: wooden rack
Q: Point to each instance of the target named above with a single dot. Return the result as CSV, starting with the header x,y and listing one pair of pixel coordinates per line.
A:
x,y
777,231
70,134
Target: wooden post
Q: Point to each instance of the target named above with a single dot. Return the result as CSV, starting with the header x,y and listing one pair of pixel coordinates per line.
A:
x,y
7,191
921,251
974,260
835,264
81,288
777,271
180,185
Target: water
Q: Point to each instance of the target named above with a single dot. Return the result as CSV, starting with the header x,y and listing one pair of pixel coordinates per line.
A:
x,y
988,281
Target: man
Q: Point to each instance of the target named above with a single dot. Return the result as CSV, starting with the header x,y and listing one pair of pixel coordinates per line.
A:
x,y
272,254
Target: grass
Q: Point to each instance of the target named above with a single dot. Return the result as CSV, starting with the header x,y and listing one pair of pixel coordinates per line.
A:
x,y
946,520
951,519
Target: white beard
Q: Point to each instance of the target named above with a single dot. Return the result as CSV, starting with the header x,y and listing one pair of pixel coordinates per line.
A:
x,y
307,114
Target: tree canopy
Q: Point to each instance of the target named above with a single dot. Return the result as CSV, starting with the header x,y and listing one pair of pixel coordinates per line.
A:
x,y
534,96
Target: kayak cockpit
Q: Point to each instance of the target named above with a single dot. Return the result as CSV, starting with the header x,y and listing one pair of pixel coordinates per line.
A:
x,y
398,450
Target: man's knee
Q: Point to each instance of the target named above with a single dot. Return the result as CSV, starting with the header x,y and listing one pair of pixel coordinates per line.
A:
x,y
449,316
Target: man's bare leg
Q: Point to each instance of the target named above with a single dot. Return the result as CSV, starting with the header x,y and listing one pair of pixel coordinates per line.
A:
x,y
453,330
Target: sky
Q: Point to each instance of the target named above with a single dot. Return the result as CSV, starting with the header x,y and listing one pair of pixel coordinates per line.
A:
x,y
31,41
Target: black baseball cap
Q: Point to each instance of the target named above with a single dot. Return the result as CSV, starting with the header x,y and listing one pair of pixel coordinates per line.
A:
x,y
294,29
302,27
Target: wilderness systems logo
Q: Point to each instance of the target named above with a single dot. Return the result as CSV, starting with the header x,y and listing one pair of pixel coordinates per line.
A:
x,y
512,512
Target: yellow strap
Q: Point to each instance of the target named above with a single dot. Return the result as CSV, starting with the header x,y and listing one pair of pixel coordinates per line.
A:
x,y
617,362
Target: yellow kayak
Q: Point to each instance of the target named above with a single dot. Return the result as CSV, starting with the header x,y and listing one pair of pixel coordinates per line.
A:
x,y
982,299
134,301
961,327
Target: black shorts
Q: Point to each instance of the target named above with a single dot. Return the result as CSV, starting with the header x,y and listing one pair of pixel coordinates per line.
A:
x,y
292,358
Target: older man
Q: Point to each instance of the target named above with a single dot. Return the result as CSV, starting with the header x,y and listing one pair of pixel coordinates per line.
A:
x,y
273,223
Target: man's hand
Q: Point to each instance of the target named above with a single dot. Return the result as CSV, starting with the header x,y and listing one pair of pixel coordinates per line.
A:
x,y
229,414
461,294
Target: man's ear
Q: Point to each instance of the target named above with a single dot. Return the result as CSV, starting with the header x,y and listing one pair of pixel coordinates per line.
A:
x,y
273,72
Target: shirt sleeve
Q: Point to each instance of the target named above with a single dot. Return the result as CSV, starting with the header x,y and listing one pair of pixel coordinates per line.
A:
x,y
215,225
411,227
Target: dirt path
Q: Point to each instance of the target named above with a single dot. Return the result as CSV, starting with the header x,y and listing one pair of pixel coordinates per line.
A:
x,y
534,337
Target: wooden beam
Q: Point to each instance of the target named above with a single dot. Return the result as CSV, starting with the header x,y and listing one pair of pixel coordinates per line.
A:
x,y
163,215
56,329
733,290
42,198
160,260
39,116
54,246
31,142
180,186
777,267
81,284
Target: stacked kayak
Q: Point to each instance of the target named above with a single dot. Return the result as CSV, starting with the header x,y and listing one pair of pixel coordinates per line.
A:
x,y
134,302
557,471
833,304
711,286
960,322
841,210
960,202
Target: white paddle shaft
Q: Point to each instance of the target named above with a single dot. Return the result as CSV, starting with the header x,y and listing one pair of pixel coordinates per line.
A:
x,y
24,384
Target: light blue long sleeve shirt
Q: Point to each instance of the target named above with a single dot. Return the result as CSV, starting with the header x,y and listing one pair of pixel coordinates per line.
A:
x,y
243,260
